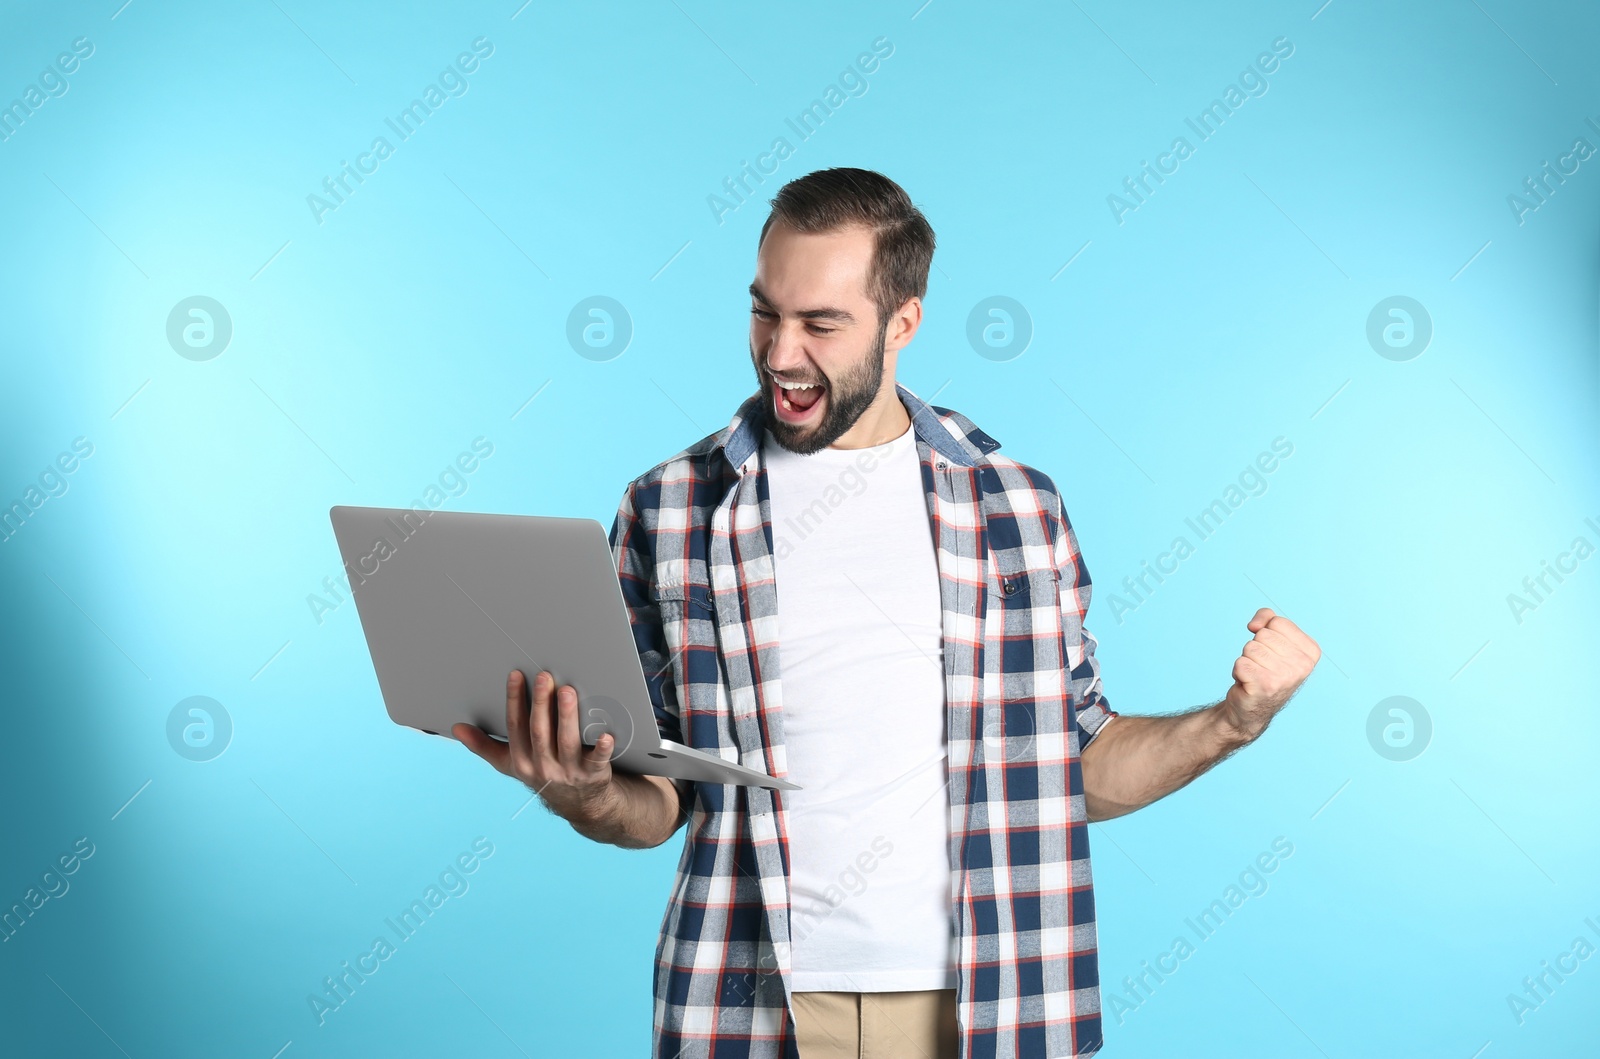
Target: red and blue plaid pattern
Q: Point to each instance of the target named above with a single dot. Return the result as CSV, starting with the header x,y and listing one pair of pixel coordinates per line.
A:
x,y
693,547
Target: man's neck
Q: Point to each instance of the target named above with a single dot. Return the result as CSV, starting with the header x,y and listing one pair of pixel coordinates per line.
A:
x,y
882,422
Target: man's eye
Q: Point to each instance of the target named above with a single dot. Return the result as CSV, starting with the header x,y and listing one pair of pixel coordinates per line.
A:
x,y
760,312
823,330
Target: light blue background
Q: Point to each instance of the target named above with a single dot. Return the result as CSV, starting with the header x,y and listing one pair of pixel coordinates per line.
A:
x,y
370,349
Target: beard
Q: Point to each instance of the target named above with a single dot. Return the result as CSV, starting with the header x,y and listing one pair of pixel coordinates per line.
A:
x,y
848,398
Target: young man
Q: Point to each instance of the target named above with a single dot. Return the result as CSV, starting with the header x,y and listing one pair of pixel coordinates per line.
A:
x,y
928,891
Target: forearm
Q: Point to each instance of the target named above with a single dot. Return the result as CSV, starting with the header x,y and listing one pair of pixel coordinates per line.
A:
x,y
643,812
1134,760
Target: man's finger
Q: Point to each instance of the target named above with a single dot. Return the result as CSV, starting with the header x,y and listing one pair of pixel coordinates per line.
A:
x,y
1299,637
569,742
540,742
1297,648
517,722
597,759
1288,627
484,745
1261,654
1258,621
1281,646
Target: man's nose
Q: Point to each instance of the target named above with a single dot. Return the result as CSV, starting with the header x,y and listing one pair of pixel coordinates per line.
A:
x,y
785,350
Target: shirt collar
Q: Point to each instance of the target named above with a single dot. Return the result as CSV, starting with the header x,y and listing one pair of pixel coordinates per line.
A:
x,y
949,433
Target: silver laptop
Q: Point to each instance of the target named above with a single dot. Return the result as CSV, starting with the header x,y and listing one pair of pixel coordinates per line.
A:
x,y
451,602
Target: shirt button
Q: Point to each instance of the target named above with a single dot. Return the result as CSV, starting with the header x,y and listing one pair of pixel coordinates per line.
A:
x,y
1008,587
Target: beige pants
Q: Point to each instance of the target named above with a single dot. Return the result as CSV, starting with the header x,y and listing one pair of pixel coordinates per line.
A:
x,y
919,1024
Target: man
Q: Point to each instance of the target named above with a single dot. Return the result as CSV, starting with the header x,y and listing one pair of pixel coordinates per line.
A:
x,y
928,890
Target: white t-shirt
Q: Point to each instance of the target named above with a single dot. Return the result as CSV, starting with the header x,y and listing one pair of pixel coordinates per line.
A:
x,y
860,654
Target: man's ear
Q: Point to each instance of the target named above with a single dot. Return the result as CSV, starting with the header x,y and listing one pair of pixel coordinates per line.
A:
x,y
903,324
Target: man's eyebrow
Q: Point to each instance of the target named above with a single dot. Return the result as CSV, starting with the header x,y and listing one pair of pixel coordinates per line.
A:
x,y
843,316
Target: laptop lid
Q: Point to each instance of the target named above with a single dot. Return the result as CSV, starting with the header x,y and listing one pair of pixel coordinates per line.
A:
x,y
451,602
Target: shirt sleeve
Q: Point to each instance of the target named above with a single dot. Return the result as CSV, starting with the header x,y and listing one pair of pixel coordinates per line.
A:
x,y
636,573
1093,708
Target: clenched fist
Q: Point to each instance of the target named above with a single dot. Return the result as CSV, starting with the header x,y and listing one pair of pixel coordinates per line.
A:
x,y
1270,669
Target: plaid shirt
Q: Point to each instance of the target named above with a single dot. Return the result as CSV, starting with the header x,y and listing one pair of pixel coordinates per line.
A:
x,y
693,547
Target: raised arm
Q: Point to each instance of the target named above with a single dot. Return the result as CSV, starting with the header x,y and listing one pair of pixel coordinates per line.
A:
x,y
1134,761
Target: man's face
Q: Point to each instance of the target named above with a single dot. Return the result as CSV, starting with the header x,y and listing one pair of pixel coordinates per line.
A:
x,y
812,322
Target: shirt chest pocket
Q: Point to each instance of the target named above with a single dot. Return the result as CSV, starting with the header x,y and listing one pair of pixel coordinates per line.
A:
x,y
682,604
688,629
1015,589
684,587
1024,627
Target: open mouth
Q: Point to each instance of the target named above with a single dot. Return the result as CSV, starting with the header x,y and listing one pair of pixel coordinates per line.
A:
x,y
797,403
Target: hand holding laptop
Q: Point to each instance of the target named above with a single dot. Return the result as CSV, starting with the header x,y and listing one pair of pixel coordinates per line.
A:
x,y
545,750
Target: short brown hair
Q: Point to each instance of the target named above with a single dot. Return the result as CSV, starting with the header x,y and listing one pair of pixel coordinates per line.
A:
x,y
830,199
